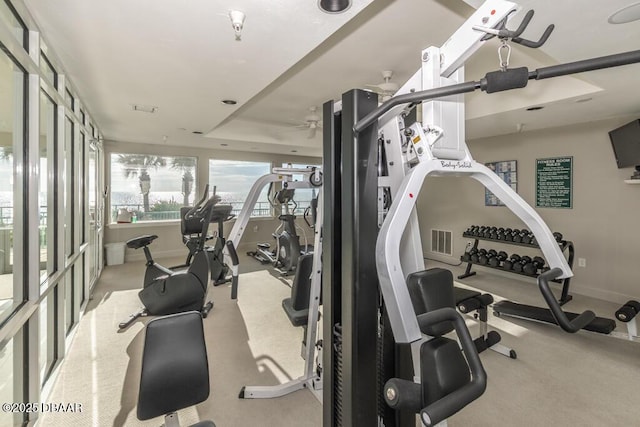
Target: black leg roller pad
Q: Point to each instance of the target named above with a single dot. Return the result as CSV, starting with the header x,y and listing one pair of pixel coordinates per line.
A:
x,y
469,301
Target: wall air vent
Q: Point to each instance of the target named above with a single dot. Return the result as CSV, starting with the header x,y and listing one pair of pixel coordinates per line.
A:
x,y
441,242
144,108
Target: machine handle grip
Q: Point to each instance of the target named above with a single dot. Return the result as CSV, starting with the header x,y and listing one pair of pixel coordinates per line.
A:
x,y
191,212
571,326
232,252
540,42
443,408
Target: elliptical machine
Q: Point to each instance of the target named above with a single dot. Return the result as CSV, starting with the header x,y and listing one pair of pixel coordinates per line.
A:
x,y
167,292
285,256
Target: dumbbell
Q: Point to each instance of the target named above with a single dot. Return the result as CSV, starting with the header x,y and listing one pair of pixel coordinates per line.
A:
x,y
474,255
536,264
479,232
533,241
508,264
526,236
469,231
498,259
514,233
500,234
494,233
628,311
482,257
558,237
487,232
518,266
466,257
508,235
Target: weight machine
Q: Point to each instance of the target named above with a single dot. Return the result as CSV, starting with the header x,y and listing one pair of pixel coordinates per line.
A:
x,y
312,178
365,292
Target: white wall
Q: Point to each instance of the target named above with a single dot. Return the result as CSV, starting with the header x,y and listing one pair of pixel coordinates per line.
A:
x,y
603,223
169,242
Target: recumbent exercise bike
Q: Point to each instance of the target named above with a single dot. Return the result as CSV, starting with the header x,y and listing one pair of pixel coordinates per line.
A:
x,y
168,292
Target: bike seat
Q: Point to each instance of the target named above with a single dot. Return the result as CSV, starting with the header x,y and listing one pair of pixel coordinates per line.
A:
x,y
264,245
141,241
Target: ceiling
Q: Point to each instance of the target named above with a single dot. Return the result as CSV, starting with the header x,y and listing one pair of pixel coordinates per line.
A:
x,y
182,57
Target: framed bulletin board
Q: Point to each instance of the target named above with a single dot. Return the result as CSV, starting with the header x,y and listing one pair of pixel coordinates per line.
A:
x,y
554,183
508,171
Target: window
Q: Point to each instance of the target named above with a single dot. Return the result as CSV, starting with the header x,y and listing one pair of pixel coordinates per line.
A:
x,y
69,193
48,71
9,16
233,180
12,379
302,196
12,100
69,299
150,188
68,97
81,190
48,336
47,185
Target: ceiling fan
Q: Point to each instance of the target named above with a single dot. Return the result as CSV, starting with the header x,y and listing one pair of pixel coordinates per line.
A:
x,y
387,88
312,122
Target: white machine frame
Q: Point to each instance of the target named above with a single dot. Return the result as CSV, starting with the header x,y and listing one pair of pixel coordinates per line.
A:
x,y
441,150
312,377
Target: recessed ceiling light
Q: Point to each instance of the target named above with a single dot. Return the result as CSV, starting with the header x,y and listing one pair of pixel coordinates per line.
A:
x,y
224,145
229,101
628,13
579,101
334,6
182,129
197,132
294,151
535,108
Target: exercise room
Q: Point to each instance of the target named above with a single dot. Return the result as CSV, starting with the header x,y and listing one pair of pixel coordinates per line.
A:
x,y
293,213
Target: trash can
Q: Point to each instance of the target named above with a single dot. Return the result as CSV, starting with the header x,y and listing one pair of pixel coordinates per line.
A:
x,y
115,253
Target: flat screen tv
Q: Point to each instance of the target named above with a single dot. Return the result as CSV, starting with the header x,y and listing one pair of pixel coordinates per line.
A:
x,y
625,141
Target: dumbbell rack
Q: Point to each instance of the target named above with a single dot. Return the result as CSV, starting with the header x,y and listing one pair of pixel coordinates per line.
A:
x,y
565,245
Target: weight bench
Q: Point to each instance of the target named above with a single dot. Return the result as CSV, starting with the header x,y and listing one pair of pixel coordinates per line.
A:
x,y
175,369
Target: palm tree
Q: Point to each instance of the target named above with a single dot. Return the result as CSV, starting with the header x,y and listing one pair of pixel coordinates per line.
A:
x,y
186,165
6,153
138,165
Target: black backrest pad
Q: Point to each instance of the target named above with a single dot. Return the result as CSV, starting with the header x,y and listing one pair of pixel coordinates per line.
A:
x,y
443,369
430,290
175,370
301,286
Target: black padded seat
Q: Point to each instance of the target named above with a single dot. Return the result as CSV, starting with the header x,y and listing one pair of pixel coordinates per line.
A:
x,y
297,307
141,241
462,294
175,369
